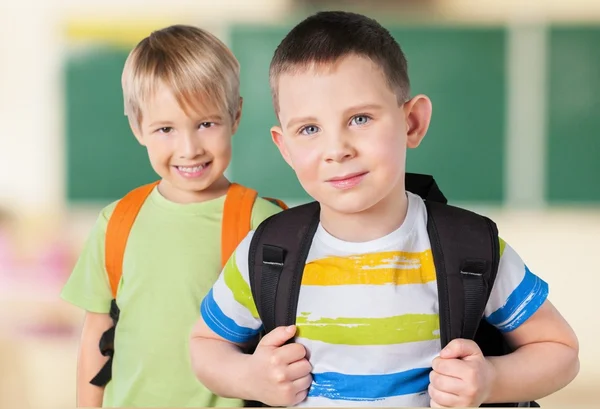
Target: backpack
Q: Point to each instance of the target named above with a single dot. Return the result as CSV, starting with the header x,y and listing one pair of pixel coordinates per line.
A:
x,y
237,214
465,249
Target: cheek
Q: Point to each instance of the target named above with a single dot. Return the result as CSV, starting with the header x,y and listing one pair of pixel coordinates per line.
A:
x,y
305,161
218,144
389,151
159,151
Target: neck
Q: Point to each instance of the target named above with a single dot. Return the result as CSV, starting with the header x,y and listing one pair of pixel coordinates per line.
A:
x,y
370,224
217,189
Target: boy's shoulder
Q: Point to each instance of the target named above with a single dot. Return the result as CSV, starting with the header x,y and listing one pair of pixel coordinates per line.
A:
x,y
136,198
262,209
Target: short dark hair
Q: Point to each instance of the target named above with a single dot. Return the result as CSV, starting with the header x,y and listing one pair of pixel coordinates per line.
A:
x,y
328,36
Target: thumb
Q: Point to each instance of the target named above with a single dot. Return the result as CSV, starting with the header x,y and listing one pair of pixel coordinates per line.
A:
x,y
278,336
460,348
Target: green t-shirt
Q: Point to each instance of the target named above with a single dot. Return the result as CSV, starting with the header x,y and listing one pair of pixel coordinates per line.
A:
x,y
171,261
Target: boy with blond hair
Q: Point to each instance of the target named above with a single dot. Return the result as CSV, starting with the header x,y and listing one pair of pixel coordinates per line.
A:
x,y
359,292
153,255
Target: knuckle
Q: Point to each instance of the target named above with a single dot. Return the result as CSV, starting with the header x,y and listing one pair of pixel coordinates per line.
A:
x,y
433,377
307,366
300,397
279,376
432,392
288,392
471,391
275,360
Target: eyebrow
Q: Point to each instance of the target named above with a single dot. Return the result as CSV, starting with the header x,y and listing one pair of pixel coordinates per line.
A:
x,y
364,107
348,111
215,117
160,124
295,121
207,118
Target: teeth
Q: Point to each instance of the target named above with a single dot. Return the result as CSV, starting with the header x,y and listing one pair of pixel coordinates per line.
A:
x,y
190,169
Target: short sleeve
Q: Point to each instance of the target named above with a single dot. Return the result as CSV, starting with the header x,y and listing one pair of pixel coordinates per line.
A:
x,y
517,293
88,286
229,309
263,209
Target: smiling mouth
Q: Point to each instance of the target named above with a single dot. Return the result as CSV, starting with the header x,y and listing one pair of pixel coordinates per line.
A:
x,y
194,170
347,177
347,181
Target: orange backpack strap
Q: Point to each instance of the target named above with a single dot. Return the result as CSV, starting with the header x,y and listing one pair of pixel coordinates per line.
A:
x,y
277,202
117,232
237,218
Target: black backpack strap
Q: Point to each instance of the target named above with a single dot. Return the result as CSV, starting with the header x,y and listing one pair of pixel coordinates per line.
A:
x,y
466,254
107,348
424,186
277,255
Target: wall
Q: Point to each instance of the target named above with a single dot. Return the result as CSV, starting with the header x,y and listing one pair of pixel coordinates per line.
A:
x,y
558,242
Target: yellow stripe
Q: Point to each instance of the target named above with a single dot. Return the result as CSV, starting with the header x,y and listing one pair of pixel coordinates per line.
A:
x,y
393,267
238,286
124,33
370,331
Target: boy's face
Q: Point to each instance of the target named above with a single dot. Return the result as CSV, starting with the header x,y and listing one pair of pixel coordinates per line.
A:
x,y
345,135
191,151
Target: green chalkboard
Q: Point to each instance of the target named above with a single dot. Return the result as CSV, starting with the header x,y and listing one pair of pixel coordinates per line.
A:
x,y
460,69
256,161
573,162
104,160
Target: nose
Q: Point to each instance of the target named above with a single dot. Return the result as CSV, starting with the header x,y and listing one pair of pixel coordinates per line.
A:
x,y
190,146
339,148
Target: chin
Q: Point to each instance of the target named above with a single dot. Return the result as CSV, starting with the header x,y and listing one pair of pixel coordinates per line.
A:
x,y
347,204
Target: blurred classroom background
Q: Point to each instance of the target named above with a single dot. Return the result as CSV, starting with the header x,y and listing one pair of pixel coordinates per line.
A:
x,y
515,86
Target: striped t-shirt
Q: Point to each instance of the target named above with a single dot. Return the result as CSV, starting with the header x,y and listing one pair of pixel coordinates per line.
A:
x,y
368,312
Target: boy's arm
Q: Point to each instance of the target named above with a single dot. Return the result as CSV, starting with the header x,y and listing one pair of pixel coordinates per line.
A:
x,y
545,357
220,365
90,360
89,289
545,360
275,374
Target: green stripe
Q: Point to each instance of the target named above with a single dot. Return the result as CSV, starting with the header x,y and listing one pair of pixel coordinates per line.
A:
x,y
238,286
371,331
502,246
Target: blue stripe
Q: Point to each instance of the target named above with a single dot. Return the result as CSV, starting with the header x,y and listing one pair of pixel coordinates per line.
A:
x,y
338,386
522,303
221,324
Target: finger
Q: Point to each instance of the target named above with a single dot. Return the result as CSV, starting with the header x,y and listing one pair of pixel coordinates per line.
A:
x,y
443,399
303,383
445,383
449,367
299,369
300,396
460,348
434,404
278,336
290,353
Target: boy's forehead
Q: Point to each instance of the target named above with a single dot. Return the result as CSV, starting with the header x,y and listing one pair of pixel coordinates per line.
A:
x,y
347,82
164,100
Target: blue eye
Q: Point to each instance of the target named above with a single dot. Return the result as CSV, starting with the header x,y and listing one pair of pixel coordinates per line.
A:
x,y
309,130
360,120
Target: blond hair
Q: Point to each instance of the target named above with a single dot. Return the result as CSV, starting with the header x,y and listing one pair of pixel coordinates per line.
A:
x,y
195,65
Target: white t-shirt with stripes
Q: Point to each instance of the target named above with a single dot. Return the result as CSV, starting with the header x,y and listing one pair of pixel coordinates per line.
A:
x,y
368,312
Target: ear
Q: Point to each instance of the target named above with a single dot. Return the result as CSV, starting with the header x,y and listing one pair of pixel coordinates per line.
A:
x,y
277,135
418,116
136,131
238,117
